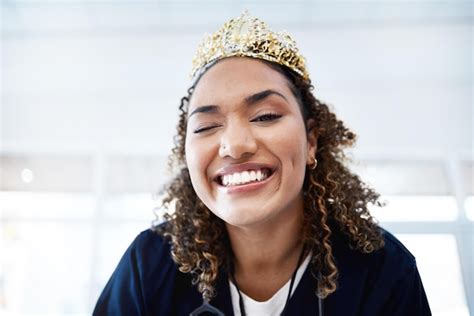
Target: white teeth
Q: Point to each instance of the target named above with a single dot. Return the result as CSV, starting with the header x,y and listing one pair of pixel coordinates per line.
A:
x,y
236,178
244,177
253,175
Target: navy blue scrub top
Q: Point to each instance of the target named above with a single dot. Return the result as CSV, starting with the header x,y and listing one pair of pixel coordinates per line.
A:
x,y
385,282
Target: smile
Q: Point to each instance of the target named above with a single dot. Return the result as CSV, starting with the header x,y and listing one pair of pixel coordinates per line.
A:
x,y
245,177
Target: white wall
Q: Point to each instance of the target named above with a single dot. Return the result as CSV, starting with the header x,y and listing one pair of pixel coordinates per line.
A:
x,y
91,75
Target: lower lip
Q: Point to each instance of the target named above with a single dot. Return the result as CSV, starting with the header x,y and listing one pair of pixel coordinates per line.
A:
x,y
243,188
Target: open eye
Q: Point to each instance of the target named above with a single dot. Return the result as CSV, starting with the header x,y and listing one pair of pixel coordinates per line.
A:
x,y
267,117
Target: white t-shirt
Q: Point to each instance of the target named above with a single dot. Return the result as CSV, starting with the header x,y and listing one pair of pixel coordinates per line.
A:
x,y
274,305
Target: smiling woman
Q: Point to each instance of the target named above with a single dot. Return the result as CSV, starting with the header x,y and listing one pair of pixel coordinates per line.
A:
x,y
267,218
257,126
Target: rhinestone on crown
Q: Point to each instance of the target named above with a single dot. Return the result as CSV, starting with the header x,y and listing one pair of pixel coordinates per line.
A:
x,y
247,36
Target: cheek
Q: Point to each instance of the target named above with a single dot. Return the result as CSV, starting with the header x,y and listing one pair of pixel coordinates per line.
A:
x,y
197,161
290,144
193,160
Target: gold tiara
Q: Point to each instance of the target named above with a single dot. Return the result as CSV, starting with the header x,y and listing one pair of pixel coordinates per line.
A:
x,y
247,36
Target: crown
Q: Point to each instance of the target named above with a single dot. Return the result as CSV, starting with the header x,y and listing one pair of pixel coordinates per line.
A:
x,y
247,36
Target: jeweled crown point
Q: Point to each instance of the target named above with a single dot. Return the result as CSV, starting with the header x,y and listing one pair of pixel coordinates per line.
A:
x,y
248,36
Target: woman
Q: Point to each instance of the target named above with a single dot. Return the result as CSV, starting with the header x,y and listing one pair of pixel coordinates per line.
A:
x,y
264,218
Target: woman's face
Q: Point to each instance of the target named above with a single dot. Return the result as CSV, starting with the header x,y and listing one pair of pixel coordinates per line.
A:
x,y
246,143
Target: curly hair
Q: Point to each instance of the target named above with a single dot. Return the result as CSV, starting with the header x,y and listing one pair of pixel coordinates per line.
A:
x,y
334,199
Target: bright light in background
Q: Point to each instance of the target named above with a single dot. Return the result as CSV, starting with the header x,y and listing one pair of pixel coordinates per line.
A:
x,y
469,206
437,260
27,175
133,206
46,205
416,208
47,249
48,257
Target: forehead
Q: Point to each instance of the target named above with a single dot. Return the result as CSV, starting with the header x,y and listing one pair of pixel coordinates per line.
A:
x,y
233,79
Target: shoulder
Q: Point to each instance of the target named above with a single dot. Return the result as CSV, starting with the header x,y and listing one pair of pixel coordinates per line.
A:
x,y
394,262
378,282
381,269
145,272
393,255
395,250
152,253
151,242
166,290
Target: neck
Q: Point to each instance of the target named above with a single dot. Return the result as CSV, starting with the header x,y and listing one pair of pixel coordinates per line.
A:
x,y
267,247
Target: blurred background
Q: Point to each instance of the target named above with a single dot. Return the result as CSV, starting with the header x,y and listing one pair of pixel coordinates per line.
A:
x,y
89,98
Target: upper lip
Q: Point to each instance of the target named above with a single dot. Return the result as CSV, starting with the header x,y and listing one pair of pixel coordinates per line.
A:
x,y
241,168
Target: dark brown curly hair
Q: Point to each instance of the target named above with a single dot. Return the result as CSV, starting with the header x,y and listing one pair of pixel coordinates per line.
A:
x,y
332,193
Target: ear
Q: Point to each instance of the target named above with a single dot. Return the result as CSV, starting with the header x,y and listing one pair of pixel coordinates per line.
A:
x,y
312,138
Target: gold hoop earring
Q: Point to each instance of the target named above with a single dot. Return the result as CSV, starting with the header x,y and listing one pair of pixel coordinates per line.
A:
x,y
313,165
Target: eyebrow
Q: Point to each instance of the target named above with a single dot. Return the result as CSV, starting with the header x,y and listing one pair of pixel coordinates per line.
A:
x,y
249,101
259,96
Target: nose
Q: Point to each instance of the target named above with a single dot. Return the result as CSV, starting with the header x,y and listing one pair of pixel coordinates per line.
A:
x,y
237,141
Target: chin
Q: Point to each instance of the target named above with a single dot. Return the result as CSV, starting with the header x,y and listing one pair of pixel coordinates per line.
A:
x,y
244,218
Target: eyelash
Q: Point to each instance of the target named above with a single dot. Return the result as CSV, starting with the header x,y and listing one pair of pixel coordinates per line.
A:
x,y
267,117
262,118
200,130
